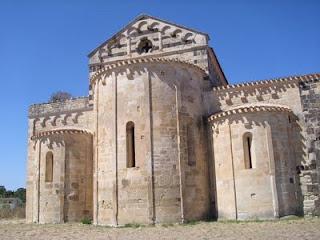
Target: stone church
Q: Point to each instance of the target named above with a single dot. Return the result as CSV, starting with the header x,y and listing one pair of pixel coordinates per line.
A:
x,y
164,137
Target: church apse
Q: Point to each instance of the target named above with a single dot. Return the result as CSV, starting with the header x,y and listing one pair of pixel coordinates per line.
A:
x,y
163,137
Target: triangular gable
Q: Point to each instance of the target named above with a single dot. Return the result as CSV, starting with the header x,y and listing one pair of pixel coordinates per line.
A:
x,y
164,24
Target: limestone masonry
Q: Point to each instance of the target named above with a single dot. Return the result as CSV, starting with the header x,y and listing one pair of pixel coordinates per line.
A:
x,y
163,137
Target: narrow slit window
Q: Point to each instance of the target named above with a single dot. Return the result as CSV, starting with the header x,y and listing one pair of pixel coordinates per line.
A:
x,y
131,158
247,145
49,167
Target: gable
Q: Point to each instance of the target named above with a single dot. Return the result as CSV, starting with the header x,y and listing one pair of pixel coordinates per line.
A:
x,y
159,35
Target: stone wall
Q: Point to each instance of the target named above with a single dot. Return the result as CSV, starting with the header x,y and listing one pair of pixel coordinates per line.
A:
x,y
68,197
164,186
287,92
268,188
165,38
74,113
47,109
180,173
310,168
45,201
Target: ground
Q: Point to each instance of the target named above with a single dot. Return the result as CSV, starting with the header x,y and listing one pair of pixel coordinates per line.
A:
x,y
284,229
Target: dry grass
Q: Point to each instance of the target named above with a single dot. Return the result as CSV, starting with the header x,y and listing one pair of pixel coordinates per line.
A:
x,y
296,229
18,212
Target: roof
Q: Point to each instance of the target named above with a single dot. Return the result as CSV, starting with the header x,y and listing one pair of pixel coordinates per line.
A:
x,y
138,18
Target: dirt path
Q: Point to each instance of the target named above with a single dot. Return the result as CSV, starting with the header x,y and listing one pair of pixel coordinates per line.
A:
x,y
285,229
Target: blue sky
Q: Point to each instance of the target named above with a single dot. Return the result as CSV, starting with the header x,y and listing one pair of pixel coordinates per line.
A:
x,y
44,47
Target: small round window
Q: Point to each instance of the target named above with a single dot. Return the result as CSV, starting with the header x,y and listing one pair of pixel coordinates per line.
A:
x,y
144,46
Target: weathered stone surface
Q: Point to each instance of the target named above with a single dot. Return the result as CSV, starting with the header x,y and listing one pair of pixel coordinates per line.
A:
x,y
310,175
162,138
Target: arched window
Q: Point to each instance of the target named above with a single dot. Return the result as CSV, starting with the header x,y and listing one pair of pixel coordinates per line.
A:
x,y
247,147
144,46
131,158
49,167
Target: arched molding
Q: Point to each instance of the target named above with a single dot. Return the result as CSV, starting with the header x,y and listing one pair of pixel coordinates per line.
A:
x,y
131,30
107,69
249,109
177,32
141,26
60,131
187,36
154,26
44,121
165,28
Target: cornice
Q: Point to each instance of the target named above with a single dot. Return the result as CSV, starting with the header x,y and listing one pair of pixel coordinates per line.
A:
x,y
60,131
113,66
249,109
293,79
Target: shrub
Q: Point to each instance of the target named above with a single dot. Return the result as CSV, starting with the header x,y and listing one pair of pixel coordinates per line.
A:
x,y
19,212
60,96
86,220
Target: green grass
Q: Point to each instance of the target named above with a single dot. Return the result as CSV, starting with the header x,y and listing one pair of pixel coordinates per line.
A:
x,y
132,225
195,222
165,225
191,222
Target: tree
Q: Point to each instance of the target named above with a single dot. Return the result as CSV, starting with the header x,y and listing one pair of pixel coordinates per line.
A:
x,y
2,191
9,194
20,193
60,96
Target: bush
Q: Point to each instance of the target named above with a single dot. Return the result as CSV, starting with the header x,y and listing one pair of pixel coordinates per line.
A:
x,y
19,212
60,96
86,221
19,193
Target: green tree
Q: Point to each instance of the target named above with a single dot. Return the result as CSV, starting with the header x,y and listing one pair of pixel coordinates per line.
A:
x,y
20,193
2,191
9,194
60,96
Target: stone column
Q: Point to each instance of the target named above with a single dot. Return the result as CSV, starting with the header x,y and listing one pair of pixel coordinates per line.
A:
x,y
211,171
149,157
115,162
272,173
36,192
160,40
62,181
233,175
180,153
96,159
128,45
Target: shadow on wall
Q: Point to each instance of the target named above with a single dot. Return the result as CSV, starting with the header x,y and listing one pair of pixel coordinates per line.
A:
x,y
250,94
52,140
283,92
